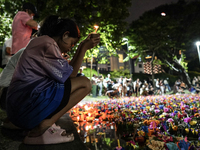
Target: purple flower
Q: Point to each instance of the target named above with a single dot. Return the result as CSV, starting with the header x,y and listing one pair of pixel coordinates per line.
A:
x,y
166,109
144,112
152,125
187,120
187,106
156,110
170,120
173,114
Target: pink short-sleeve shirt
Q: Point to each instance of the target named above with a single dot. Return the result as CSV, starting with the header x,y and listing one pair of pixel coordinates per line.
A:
x,y
21,32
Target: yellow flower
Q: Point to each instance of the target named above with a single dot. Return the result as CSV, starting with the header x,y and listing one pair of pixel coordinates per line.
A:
x,y
192,129
196,131
162,116
187,130
134,111
141,133
147,107
194,122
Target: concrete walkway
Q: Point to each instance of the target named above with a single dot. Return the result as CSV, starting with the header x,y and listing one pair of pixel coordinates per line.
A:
x,y
12,139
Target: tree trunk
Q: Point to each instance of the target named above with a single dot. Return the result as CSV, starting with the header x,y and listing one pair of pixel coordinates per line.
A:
x,y
180,70
183,74
152,66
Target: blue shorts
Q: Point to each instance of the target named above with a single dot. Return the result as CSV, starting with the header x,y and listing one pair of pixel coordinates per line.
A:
x,y
41,106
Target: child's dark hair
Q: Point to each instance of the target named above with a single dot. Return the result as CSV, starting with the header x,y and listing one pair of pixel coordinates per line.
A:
x,y
54,26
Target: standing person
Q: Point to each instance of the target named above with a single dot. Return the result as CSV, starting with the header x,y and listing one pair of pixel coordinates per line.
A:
x,y
44,85
100,84
107,83
157,85
120,88
129,88
6,52
124,86
22,26
136,87
167,84
120,80
162,87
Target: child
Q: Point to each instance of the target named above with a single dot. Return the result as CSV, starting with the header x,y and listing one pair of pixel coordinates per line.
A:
x,y
44,85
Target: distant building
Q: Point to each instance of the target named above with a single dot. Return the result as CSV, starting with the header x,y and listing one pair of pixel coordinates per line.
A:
x,y
116,63
145,67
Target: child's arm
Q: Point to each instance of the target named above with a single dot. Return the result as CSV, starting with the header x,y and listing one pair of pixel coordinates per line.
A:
x,y
85,45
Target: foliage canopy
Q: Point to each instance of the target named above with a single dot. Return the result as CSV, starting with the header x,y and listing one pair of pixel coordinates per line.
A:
x,y
167,36
109,15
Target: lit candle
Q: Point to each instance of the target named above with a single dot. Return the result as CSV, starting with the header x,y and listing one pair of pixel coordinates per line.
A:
x,y
81,117
86,128
86,107
87,139
96,28
78,118
118,143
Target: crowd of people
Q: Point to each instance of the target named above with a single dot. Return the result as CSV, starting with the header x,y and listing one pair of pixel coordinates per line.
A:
x,y
121,87
124,86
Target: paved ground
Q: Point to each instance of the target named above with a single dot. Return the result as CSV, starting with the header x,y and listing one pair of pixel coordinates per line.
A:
x,y
12,139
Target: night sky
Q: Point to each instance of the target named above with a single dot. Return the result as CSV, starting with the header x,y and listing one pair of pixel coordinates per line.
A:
x,y
140,6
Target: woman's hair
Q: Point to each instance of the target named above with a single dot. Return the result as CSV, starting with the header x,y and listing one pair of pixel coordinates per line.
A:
x,y
54,26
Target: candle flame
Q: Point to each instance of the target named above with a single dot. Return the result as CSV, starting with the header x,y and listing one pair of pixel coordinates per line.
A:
x,y
78,118
96,28
86,107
